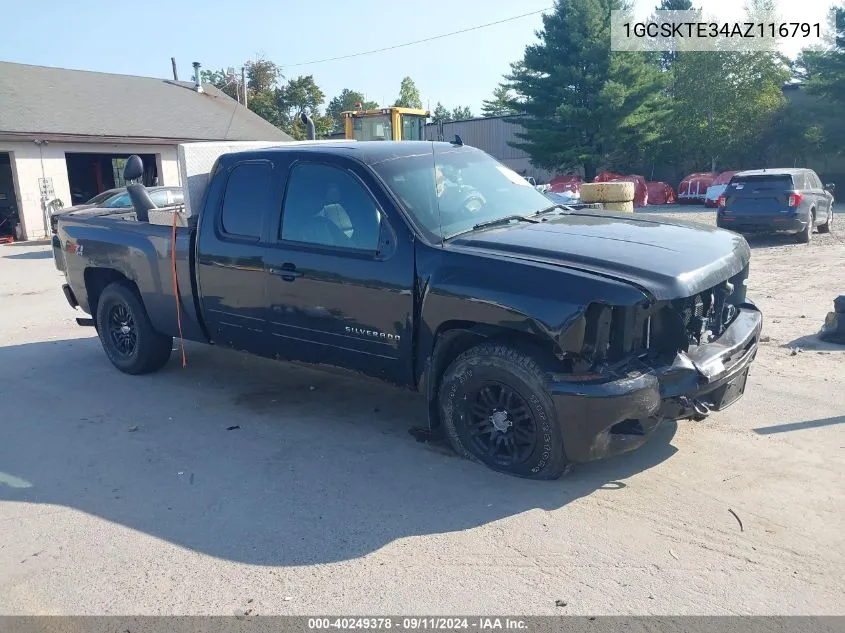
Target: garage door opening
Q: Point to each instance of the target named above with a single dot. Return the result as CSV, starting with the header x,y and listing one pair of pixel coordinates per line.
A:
x,y
90,174
9,219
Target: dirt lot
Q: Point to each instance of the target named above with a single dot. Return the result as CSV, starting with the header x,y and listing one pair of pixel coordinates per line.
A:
x,y
130,495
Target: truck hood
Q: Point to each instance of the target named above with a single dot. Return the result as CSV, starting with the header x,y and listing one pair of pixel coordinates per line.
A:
x,y
668,260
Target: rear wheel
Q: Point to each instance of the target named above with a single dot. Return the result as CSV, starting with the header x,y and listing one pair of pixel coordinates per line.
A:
x,y
825,228
125,331
496,410
804,236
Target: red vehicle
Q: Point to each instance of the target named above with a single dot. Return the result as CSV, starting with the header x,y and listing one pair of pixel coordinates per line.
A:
x,y
693,188
660,192
560,184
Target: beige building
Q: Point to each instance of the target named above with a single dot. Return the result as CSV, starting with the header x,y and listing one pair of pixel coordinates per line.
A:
x,y
64,134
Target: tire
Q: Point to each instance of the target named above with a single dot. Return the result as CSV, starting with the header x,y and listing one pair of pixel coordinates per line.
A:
x,y
607,191
125,331
804,236
619,207
496,410
825,228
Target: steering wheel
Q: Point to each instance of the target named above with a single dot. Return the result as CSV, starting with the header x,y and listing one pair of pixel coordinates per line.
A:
x,y
473,202
464,199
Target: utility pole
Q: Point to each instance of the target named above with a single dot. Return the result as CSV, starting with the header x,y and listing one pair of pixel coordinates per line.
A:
x,y
175,74
243,83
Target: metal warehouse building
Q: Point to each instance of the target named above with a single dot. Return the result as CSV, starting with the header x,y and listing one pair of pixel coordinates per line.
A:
x,y
64,134
492,135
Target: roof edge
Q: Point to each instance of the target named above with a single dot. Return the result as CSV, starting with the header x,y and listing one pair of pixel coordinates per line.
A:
x,y
118,140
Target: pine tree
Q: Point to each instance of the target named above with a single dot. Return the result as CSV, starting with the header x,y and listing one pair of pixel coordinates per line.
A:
x,y
441,113
500,104
461,112
581,102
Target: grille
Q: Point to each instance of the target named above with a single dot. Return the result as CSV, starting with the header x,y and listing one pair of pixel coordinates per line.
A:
x,y
614,333
706,315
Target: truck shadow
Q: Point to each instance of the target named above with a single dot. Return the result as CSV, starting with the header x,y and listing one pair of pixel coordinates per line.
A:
x,y
29,255
251,460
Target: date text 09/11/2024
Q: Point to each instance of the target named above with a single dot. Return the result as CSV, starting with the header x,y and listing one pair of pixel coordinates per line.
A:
x,y
417,623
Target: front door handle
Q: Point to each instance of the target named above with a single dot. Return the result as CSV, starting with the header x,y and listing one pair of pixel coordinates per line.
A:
x,y
287,272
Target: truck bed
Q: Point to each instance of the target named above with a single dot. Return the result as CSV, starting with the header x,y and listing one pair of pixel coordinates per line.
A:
x,y
142,253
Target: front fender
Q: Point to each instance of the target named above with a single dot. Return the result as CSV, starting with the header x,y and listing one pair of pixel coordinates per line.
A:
x,y
544,302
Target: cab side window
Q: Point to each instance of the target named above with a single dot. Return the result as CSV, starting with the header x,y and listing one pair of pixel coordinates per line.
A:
x,y
246,199
328,206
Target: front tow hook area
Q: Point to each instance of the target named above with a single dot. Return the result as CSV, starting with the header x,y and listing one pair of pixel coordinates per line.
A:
x,y
701,410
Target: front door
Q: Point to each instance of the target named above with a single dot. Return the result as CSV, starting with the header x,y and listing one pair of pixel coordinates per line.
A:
x,y
340,275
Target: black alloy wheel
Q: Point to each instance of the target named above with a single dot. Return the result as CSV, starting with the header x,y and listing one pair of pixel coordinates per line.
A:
x,y
129,339
122,330
496,409
501,424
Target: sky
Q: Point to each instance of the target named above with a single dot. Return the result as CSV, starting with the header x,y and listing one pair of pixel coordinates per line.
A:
x,y
463,69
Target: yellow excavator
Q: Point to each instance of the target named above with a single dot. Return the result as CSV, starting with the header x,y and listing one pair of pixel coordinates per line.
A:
x,y
385,124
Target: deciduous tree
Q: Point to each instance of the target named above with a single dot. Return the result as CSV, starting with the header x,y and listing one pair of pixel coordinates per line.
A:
x,y
344,102
409,96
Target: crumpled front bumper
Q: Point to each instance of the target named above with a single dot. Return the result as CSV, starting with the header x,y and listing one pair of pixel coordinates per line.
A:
x,y
638,397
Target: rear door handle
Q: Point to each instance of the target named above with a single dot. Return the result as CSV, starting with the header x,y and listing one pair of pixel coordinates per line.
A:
x,y
287,272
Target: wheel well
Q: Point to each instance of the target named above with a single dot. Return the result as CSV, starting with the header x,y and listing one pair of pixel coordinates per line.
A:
x,y
96,280
456,337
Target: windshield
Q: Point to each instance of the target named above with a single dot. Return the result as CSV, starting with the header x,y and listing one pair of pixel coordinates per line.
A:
x,y
119,201
412,127
372,128
450,189
102,196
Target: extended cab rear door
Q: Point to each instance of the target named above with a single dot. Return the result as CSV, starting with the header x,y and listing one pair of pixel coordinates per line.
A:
x,y
230,259
340,270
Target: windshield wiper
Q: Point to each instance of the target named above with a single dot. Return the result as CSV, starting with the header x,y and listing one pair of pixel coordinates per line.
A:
x,y
563,207
504,220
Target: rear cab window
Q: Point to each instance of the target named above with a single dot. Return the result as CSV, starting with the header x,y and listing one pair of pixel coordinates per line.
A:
x,y
246,200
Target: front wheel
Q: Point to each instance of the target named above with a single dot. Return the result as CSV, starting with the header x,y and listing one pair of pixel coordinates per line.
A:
x,y
496,410
125,331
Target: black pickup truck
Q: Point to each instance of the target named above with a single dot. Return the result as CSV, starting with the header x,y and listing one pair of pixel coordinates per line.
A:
x,y
541,336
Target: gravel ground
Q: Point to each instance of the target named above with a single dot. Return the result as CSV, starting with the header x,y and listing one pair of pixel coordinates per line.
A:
x,y
130,495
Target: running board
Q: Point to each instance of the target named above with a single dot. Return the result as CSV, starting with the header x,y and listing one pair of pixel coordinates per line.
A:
x,y
85,322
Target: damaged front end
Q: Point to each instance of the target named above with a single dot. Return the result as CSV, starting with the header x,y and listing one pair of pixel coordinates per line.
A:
x,y
659,360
